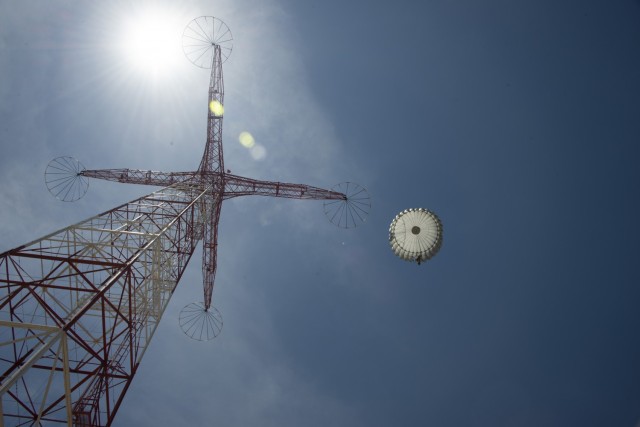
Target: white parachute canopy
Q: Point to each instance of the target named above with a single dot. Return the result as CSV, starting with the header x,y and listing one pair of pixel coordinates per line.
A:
x,y
415,234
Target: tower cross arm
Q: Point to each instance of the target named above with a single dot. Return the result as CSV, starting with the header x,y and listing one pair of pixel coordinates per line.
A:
x,y
235,186
138,176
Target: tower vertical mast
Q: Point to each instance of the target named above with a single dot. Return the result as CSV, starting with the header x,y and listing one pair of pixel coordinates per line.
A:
x,y
212,159
212,171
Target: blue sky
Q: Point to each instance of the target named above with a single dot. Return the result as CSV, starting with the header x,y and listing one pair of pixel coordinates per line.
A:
x,y
516,122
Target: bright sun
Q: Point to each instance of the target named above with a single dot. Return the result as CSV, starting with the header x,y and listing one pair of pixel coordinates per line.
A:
x,y
151,42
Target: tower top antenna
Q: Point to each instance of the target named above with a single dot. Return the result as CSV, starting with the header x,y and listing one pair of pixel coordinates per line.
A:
x,y
201,36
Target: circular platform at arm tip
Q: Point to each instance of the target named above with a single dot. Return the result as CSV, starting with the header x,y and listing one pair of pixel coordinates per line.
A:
x,y
200,37
351,211
199,323
64,180
415,235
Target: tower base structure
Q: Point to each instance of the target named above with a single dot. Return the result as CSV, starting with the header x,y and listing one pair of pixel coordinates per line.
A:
x,y
79,307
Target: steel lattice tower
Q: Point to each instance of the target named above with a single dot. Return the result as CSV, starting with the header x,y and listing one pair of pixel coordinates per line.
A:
x,y
79,306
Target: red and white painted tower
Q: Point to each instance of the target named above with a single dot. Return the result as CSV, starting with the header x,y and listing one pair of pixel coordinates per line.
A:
x,y
79,306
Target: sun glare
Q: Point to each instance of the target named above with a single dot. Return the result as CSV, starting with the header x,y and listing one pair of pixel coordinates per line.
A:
x,y
216,108
246,139
151,42
257,151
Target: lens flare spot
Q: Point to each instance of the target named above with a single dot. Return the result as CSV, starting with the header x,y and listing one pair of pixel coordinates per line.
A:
x,y
216,108
258,152
246,139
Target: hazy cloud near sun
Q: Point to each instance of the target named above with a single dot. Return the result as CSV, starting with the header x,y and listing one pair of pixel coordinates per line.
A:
x,y
277,106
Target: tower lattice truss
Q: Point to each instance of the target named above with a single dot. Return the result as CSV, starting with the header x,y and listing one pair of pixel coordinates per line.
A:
x,y
79,307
